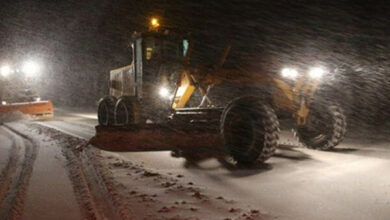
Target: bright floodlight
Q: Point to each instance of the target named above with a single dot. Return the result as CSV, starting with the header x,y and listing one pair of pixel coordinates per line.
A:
x,y
5,71
316,72
164,92
3,102
30,68
289,73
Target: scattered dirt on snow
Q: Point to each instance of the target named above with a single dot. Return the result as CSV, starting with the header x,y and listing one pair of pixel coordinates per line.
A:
x,y
153,195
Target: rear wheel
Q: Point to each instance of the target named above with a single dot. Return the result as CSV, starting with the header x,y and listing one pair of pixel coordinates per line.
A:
x,y
106,111
250,130
325,128
127,111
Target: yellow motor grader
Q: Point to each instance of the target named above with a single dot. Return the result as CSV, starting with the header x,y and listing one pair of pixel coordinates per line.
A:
x,y
162,102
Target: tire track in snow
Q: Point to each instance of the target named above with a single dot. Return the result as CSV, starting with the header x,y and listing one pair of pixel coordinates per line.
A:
x,y
16,174
94,191
88,189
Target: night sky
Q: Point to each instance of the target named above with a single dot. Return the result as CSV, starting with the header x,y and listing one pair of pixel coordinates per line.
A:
x,y
80,41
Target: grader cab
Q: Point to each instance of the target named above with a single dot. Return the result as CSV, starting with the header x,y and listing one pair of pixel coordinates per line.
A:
x,y
161,102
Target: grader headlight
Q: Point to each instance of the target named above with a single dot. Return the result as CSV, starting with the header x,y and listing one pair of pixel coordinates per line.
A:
x,y
164,92
289,73
316,72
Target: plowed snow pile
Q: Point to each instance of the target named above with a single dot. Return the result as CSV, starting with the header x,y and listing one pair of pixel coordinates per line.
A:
x,y
107,187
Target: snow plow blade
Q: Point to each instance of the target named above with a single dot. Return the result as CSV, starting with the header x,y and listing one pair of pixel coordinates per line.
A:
x,y
152,138
41,110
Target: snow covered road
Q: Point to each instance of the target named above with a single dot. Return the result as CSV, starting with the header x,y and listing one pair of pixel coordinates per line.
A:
x,y
45,175
350,183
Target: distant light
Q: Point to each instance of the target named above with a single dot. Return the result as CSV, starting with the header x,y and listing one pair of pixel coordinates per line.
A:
x,y
154,23
164,92
3,102
30,68
316,72
5,71
289,73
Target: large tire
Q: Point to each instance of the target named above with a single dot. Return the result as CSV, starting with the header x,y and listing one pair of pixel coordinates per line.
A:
x,y
250,130
325,128
127,111
106,108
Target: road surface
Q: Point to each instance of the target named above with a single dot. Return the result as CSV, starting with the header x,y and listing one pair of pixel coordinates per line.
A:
x,y
352,182
47,172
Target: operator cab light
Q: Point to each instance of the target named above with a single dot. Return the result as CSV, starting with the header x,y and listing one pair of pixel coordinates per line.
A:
x,y
316,72
154,23
5,71
289,73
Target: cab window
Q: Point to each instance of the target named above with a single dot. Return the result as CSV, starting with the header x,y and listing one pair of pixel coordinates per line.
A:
x,y
159,49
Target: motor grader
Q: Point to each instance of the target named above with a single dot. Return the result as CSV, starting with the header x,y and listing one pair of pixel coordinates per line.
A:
x,y
163,102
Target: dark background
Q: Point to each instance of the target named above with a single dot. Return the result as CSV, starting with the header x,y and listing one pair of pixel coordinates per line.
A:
x,y
78,42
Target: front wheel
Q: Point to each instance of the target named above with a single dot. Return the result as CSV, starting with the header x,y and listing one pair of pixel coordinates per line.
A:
x,y
250,130
325,128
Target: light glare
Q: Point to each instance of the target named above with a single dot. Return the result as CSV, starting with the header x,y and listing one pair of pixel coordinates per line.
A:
x,y
5,71
154,23
164,92
30,68
289,73
316,72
